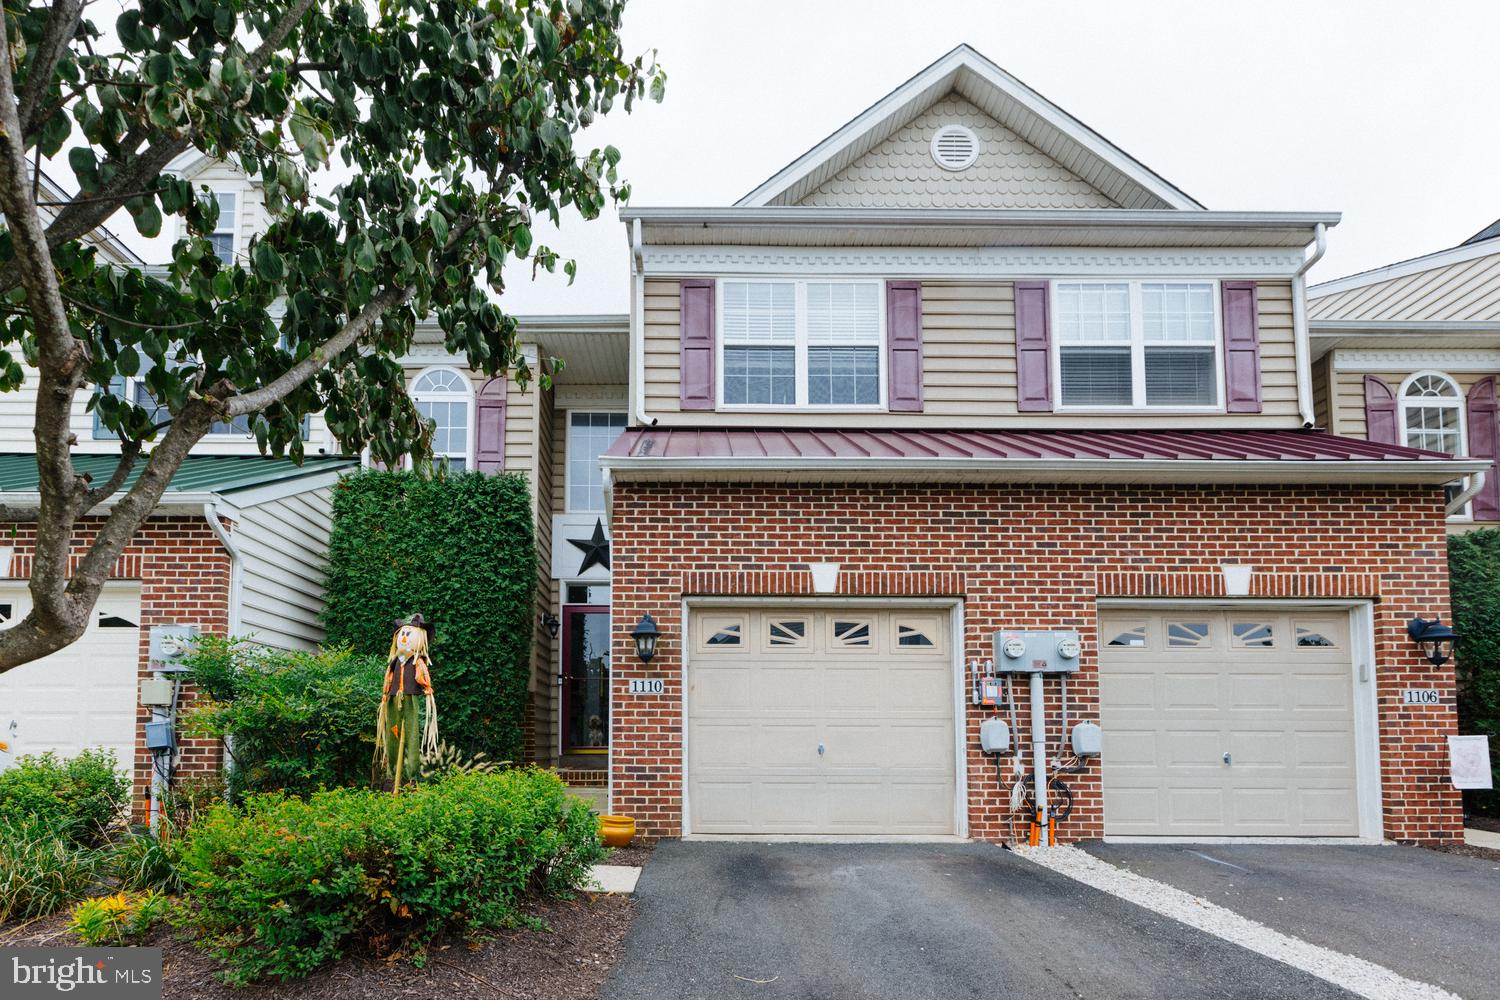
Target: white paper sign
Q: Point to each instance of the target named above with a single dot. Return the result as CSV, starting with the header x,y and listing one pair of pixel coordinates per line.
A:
x,y
1469,762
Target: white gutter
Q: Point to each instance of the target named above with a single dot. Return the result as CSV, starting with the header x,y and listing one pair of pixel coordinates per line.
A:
x,y
638,326
942,218
1300,349
236,564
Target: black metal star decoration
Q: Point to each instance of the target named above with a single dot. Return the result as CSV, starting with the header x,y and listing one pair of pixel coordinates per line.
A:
x,y
595,550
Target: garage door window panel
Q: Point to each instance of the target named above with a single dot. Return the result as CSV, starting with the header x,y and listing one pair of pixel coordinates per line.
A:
x,y
1133,636
1194,634
1252,635
721,633
851,634
1310,637
918,635
786,633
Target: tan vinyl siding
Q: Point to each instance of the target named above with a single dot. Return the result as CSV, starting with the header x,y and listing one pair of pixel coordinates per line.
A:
x,y
542,654
1008,171
283,545
1468,290
1322,376
969,367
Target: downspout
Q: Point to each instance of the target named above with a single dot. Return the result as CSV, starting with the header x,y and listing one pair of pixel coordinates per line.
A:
x,y
236,564
1458,503
1299,328
638,325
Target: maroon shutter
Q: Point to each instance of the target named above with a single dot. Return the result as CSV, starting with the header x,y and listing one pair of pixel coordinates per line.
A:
x,y
1484,442
697,305
903,338
489,427
1033,347
1241,348
1380,412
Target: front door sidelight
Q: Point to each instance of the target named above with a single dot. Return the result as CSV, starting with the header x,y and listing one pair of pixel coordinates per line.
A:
x,y
585,679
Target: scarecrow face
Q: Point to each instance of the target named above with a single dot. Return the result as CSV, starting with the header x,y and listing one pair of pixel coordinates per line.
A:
x,y
410,640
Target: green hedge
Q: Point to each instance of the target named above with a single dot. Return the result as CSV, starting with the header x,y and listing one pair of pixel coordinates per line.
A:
x,y
284,885
80,798
460,549
293,721
1474,576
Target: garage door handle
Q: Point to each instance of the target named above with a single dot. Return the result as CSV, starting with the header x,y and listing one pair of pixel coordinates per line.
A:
x,y
1226,758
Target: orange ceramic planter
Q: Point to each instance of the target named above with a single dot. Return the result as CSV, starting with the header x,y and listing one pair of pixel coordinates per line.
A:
x,y
617,831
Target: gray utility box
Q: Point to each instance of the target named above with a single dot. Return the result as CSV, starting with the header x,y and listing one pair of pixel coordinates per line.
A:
x,y
1019,652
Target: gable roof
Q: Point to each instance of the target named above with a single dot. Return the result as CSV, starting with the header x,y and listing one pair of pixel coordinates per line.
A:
x,y
1038,121
1470,250
198,474
1487,233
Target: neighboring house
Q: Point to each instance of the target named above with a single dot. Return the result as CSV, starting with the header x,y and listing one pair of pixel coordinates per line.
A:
x,y
966,366
1409,353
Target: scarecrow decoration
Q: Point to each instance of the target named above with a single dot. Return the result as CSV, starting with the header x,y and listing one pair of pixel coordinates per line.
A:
x,y
408,673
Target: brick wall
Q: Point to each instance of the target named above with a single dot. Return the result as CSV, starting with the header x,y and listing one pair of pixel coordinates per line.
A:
x,y
184,577
1032,558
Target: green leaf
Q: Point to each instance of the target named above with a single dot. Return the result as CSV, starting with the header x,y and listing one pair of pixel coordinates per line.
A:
x,y
159,68
268,263
364,253
521,240
147,219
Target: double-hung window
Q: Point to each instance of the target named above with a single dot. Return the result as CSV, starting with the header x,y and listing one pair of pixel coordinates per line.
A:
x,y
801,343
589,436
222,237
1137,343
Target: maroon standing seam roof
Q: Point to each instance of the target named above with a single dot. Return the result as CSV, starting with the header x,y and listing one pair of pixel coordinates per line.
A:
x,y
1202,445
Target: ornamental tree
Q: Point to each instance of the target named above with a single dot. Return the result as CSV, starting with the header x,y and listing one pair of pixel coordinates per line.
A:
x,y
453,125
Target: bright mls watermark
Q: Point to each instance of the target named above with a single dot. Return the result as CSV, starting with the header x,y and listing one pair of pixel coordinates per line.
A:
x,y
113,973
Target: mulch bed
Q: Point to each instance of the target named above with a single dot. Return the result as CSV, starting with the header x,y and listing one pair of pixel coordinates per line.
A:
x,y
1490,823
636,854
568,961
1470,851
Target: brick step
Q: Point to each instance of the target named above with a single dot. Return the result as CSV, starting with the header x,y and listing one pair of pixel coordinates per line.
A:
x,y
581,777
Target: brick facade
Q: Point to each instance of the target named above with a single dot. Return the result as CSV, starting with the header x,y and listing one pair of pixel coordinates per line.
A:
x,y
184,575
1032,558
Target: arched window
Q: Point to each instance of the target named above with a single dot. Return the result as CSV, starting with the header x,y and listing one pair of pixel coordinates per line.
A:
x,y
1432,413
445,396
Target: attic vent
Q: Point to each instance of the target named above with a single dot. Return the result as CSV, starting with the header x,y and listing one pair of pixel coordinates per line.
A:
x,y
955,147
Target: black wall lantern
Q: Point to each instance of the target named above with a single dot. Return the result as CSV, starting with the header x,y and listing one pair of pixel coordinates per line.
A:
x,y
1436,639
551,623
645,635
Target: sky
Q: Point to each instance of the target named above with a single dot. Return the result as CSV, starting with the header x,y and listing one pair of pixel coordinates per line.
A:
x,y
1386,111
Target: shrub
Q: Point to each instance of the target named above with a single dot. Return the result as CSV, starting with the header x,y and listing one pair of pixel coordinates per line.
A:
x,y
283,885
83,796
292,721
142,862
1474,577
42,868
113,921
460,550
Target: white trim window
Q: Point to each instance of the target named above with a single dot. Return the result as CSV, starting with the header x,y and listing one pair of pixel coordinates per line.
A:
x,y
589,435
1129,344
223,237
1432,418
445,396
801,343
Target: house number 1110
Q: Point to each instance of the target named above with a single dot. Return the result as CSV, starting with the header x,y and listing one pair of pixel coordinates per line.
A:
x,y
655,686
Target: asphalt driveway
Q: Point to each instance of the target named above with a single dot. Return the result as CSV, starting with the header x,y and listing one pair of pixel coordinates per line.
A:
x,y
906,921
1431,917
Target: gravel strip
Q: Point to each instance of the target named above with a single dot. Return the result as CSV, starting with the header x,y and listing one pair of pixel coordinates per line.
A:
x,y
1356,975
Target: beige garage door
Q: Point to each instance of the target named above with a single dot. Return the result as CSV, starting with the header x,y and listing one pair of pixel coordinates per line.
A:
x,y
81,696
1271,689
872,690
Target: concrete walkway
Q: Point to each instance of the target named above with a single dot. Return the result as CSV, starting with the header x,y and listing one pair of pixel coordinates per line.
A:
x,y
1482,838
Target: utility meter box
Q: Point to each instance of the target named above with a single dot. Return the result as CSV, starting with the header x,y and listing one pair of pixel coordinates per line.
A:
x,y
169,643
1036,652
161,736
994,736
156,692
1088,740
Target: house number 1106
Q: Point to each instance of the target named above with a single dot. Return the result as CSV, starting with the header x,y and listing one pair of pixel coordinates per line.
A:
x,y
1421,696
647,686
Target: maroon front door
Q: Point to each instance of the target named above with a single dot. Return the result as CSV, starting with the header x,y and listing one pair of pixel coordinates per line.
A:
x,y
585,679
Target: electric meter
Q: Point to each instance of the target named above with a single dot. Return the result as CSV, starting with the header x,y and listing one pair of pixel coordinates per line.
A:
x,y
1067,648
1014,647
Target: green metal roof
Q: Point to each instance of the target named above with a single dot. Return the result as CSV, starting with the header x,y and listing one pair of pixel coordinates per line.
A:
x,y
198,474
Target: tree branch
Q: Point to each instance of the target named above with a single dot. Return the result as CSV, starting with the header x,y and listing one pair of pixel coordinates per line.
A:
x,y
62,24
138,171
278,388
129,452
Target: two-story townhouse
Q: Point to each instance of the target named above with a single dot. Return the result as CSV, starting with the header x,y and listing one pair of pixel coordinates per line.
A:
x,y
1409,353
967,390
